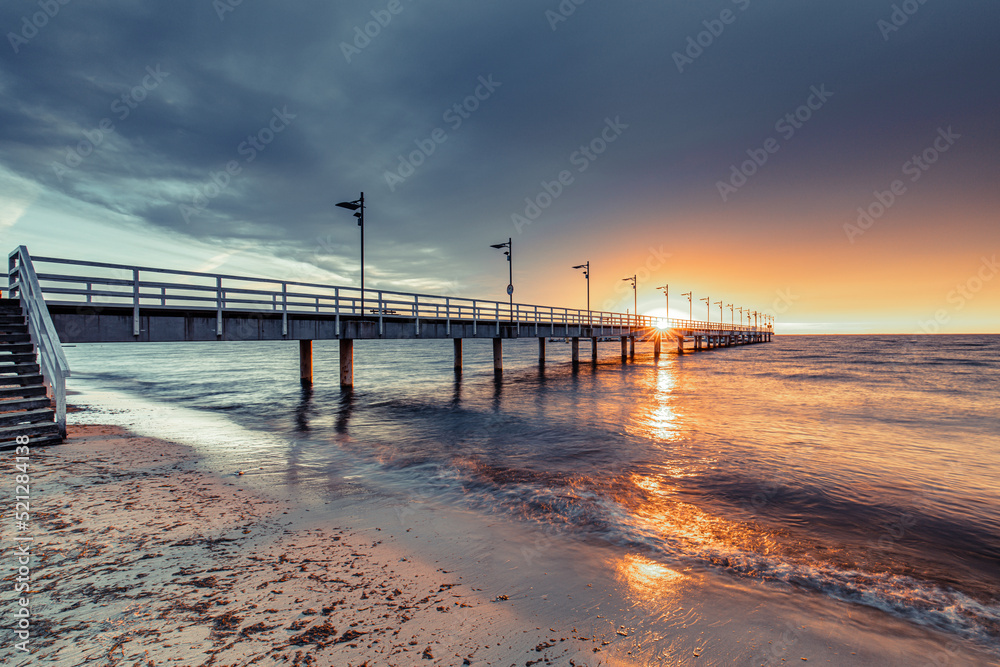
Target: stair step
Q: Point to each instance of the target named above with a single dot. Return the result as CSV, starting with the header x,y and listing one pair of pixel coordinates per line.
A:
x,y
28,417
13,327
19,358
11,432
22,380
16,348
34,403
21,369
14,338
25,391
36,441
11,319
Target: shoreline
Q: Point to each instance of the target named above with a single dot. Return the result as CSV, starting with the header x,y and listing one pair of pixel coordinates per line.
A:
x,y
145,558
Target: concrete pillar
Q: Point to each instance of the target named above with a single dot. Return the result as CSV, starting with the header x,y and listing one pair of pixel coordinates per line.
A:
x,y
458,353
346,362
541,350
306,361
680,345
593,349
497,354
631,346
624,348
576,350
656,345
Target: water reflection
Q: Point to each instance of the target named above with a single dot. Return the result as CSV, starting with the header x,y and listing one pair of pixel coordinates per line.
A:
x,y
646,579
344,410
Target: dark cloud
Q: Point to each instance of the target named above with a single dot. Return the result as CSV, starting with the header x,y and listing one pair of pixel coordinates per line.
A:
x,y
227,76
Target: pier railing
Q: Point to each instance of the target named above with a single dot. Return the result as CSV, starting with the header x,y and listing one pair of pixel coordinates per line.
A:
x,y
25,283
97,284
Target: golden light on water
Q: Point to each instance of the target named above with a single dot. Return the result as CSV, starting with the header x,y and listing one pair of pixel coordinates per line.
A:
x,y
646,578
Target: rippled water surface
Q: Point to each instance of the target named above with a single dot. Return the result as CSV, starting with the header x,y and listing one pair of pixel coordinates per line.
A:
x,y
861,468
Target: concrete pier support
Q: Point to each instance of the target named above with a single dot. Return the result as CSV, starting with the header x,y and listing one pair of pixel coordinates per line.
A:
x,y
624,348
458,353
346,362
541,350
497,354
576,350
631,346
593,350
656,345
306,361
680,345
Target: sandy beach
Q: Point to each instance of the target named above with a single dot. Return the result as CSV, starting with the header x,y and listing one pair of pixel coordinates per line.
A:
x,y
143,558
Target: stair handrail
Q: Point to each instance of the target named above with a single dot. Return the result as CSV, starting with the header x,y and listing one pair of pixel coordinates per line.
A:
x,y
23,281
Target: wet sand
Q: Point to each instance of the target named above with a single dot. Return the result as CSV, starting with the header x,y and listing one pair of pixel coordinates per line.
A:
x,y
145,558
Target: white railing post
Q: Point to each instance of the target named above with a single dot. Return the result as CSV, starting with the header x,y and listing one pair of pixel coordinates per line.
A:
x,y
381,313
284,309
218,306
135,302
416,314
475,317
447,316
336,302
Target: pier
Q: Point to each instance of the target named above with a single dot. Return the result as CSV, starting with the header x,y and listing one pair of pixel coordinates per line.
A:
x,y
66,301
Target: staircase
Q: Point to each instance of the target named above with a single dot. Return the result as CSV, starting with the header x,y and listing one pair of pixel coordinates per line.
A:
x,y
25,409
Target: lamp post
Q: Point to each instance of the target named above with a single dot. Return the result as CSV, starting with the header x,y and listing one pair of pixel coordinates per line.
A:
x,y
358,206
732,315
586,274
740,308
690,307
666,293
635,296
720,311
708,308
510,265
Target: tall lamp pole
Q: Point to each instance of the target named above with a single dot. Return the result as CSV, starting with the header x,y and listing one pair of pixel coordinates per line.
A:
x,y
708,308
740,308
586,274
720,311
732,315
690,307
510,265
358,206
635,296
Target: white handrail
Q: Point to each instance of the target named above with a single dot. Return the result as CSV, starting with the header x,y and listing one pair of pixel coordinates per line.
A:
x,y
289,297
55,369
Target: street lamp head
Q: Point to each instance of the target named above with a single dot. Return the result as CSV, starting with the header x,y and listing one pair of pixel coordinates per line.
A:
x,y
580,266
499,245
350,205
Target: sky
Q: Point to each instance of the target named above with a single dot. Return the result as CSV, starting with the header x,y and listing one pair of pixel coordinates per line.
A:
x,y
833,164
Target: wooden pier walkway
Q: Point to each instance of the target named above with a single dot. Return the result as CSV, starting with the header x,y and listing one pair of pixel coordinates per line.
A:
x,y
73,301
